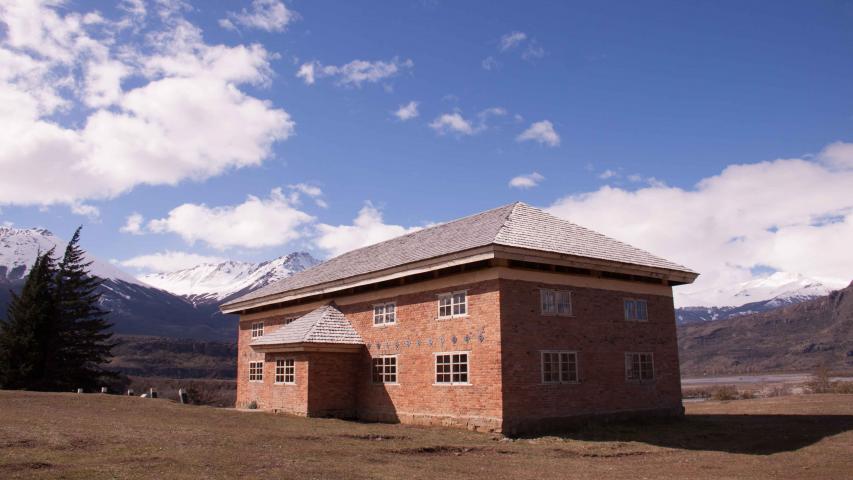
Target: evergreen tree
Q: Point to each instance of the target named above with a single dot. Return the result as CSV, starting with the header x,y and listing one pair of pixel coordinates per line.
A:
x,y
84,338
27,336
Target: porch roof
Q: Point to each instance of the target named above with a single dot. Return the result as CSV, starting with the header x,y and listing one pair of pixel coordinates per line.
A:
x,y
324,325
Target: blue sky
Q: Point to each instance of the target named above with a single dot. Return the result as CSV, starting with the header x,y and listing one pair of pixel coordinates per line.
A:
x,y
648,100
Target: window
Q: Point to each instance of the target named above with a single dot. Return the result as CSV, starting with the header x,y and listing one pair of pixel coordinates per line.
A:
x,y
256,371
559,367
385,313
556,302
451,368
639,367
285,371
452,304
636,310
385,369
257,329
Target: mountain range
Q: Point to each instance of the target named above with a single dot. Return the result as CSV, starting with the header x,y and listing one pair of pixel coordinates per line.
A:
x,y
182,304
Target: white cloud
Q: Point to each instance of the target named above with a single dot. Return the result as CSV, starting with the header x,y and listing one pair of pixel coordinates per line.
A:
x,y
608,174
133,224
534,51
255,223
354,73
407,111
151,104
526,181
91,211
455,123
512,40
452,123
367,228
791,215
542,132
168,261
490,63
267,15
312,191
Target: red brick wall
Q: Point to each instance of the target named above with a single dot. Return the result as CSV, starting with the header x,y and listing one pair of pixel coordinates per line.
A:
x,y
415,338
332,380
600,334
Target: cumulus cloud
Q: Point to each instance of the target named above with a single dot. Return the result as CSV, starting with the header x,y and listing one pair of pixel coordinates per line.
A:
x,y
790,215
133,224
541,132
168,261
255,223
452,123
367,228
309,190
151,104
267,15
354,73
455,123
407,111
526,181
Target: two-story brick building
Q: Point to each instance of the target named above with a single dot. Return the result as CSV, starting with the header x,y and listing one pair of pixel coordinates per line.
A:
x,y
508,320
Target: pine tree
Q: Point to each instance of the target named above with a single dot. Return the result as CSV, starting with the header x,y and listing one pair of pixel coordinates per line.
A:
x,y
27,336
84,338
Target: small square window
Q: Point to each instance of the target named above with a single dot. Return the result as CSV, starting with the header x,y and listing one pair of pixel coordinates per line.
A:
x,y
452,304
256,371
556,302
639,367
559,367
451,368
385,369
385,313
257,329
636,310
285,371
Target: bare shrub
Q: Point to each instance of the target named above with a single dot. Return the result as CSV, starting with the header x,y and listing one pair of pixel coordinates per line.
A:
x,y
842,387
747,395
820,382
725,392
778,391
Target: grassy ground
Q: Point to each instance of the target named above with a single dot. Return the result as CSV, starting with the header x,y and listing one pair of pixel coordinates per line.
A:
x,y
99,436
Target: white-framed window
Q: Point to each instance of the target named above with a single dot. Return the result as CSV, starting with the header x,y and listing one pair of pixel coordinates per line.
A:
x,y
639,366
556,302
256,371
636,310
385,313
385,369
559,367
453,304
257,329
285,371
451,368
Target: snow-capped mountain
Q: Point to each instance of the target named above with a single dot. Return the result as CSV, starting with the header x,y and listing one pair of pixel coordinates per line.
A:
x,y
20,246
216,282
135,308
758,295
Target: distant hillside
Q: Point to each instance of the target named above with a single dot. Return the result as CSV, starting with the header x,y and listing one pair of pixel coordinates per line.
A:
x,y
174,358
757,295
797,337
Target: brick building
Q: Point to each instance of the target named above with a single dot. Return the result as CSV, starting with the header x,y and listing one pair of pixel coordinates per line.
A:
x,y
509,320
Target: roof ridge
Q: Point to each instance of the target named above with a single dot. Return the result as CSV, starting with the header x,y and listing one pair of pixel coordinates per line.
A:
x,y
506,220
322,315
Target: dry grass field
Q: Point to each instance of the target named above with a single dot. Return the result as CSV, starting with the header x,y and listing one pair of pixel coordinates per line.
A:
x,y
98,436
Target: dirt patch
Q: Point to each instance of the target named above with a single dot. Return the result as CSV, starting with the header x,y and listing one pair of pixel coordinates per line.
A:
x,y
374,437
559,452
25,466
449,450
18,444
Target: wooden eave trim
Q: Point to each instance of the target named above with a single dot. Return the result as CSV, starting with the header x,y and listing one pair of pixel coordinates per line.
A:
x,y
438,263
309,347
539,256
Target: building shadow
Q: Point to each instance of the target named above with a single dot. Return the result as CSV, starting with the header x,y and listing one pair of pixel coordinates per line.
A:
x,y
744,434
